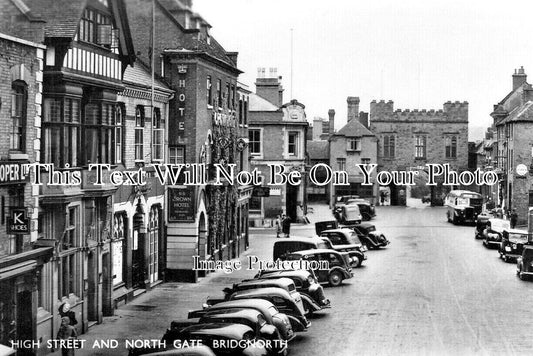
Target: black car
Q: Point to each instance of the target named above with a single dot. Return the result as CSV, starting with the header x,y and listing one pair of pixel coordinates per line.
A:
x,y
338,263
524,263
306,284
367,209
369,236
481,224
512,245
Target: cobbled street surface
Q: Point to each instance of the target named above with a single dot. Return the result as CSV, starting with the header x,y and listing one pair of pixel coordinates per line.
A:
x,y
433,291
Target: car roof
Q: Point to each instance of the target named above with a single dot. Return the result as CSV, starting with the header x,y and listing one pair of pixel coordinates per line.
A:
x,y
246,313
244,303
261,291
311,239
517,231
285,282
313,252
200,350
229,330
293,272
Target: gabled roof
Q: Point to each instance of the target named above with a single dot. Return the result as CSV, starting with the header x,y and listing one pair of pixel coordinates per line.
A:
x,y
318,149
354,129
257,103
62,18
521,113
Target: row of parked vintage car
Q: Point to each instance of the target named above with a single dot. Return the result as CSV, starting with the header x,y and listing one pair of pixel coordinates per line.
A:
x,y
513,245
260,316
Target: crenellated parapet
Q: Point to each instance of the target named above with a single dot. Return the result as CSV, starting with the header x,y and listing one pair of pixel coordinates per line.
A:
x,y
452,111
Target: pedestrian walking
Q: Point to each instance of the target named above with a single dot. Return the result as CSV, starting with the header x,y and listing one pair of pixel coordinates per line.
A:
x,y
514,218
278,226
382,197
64,310
67,332
286,225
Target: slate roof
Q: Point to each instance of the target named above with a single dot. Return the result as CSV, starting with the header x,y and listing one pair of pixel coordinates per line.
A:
x,y
318,150
257,103
62,16
139,74
354,128
521,113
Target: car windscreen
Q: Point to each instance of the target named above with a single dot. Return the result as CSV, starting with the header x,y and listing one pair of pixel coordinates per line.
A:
x,y
354,239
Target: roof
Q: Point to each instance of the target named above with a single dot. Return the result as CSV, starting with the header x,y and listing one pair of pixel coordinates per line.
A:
x,y
61,16
354,128
139,74
257,103
318,149
521,113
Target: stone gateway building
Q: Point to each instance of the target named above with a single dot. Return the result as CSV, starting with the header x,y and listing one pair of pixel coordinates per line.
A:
x,y
407,140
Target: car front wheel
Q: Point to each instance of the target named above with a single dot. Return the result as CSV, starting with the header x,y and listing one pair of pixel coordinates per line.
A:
x,y
335,278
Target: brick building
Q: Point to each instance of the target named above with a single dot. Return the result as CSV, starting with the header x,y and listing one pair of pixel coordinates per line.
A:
x,y
87,47
22,253
277,135
408,139
513,119
353,144
204,128
138,243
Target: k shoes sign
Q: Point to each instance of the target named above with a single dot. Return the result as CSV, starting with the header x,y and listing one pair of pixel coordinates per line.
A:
x,y
17,222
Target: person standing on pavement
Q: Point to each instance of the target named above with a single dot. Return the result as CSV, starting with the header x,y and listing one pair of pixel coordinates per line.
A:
x,y
278,227
286,225
67,332
514,218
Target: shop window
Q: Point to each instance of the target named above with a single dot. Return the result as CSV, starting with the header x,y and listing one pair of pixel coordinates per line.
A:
x,y
154,234
118,247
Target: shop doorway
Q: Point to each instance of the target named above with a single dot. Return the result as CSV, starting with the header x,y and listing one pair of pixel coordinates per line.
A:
x,y
92,292
24,320
291,198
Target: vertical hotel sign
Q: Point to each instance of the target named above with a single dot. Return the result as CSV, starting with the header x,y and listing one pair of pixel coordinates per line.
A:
x,y
180,93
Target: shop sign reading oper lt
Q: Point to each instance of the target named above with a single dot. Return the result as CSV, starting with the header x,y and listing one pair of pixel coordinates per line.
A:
x,y
15,173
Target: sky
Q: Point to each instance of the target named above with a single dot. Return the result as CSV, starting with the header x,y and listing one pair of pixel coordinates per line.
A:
x,y
417,53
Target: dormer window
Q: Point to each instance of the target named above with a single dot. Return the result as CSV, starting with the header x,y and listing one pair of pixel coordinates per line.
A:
x,y
96,27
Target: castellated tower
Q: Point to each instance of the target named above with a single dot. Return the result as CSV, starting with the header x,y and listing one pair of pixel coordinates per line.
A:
x,y
412,138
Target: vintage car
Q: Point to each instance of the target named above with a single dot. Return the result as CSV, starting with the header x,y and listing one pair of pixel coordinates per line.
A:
x,y
282,300
200,350
211,335
285,246
348,214
367,209
463,206
513,242
492,236
306,284
481,224
266,308
339,264
252,318
369,236
283,283
524,263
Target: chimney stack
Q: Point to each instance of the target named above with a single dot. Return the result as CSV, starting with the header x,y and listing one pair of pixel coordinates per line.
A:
x,y
268,86
331,115
353,107
519,77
